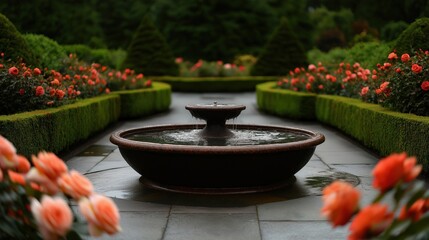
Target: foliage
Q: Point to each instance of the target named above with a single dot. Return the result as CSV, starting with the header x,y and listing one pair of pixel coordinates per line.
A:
x,y
407,85
394,178
414,37
331,28
329,59
103,56
282,53
14,45
50,54
36,202
216,30
368,54
149,53
392,30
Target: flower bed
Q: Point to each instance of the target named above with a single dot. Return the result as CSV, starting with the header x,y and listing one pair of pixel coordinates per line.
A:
x,y
57,129
378,128
214,84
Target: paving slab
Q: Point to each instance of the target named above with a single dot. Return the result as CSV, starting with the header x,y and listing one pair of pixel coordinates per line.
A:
x,y
212,227
301,209
301,231
83,164
350,157
140,225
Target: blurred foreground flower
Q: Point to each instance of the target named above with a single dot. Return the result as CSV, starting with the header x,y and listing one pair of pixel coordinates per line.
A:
x,y
395,179
35,202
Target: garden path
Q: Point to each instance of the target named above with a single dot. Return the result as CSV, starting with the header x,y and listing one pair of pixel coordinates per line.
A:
x,y
292,213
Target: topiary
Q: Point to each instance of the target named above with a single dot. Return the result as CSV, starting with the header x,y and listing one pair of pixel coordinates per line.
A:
x,y
282,53
13,45
413,38
392,30
49,52
149,53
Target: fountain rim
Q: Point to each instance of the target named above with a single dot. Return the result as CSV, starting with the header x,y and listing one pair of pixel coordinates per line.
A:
x,y
117,138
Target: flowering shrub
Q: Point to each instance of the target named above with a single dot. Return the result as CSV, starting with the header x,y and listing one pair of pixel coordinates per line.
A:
x,y
35,202
405,85
394,178
26,89
346,80
211,69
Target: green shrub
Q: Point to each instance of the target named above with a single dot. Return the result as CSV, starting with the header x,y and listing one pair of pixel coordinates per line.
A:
x,y
330,59
392,30
413,38
50,54
282,53
13,44
103,56
149,53
83,52
368,54
376,127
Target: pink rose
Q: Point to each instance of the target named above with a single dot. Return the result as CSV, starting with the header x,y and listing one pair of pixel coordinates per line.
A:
x,y
53,216
75,185
101,213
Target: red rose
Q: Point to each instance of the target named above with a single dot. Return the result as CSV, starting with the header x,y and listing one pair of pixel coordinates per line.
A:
x,y
425,86
416,68
21,91
405,57
13,71
37,71
40,91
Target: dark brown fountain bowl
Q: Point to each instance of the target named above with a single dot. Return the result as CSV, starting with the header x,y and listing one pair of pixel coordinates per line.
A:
x,y
216,169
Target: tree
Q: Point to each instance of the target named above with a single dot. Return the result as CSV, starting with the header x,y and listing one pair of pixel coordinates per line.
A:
x,y
149,53
13,44
282,53
214,30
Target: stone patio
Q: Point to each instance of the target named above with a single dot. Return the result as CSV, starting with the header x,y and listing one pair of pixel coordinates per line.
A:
x,y
292,213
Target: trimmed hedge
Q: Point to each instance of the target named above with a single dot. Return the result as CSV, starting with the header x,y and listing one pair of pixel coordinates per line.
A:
x,y
287,103
376,127
57,129
142,102
213,84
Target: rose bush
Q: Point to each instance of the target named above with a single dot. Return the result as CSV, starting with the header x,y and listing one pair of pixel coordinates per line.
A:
x,y
395,179
33,88
35,202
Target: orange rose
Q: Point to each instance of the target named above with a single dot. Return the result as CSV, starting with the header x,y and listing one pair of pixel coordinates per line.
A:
x,y
16,177
370,222
394,168
23,164
415,212
8,158
392,56
53,216
101,213
49,164
75,185
340,202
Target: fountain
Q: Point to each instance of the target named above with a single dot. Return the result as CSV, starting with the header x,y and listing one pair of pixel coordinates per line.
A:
x,y
216,158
